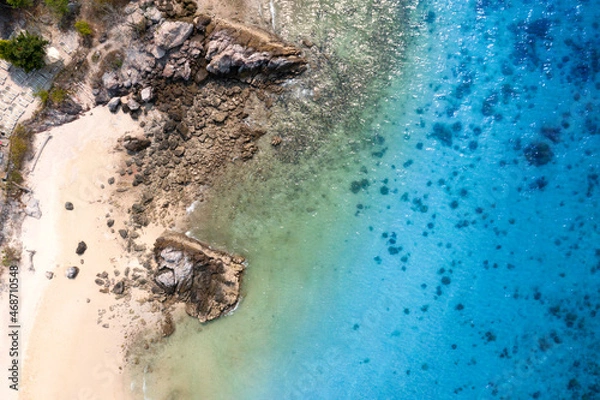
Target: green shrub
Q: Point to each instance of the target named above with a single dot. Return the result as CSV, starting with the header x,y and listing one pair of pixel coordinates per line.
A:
x,y
58,95
60,7
43,95
19,147
25,51
10,256
19,3
54,96
84,28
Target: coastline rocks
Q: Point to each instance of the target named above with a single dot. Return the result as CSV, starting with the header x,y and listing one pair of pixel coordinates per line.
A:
x,y
72,272
206,280
240,50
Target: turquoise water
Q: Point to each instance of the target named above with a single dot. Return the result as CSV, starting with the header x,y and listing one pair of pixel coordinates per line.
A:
x,y
432,229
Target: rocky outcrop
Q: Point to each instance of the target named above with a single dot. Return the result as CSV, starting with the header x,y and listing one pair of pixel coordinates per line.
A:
x,y
179,50
206,280
243,51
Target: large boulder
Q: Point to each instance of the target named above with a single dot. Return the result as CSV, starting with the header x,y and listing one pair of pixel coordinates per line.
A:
x,y
170,34
206,280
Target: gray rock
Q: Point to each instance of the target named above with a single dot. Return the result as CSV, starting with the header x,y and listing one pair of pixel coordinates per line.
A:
x,y
81,248
184,72
101,98
113,104
69,206
166,279
147,94
33,209
49,274
168,71
123,233
158,52
171,34
72,272
133,105
110,223
110,80
119,287
153,14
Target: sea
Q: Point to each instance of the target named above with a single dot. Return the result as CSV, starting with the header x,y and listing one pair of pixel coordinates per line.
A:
x,y
429,226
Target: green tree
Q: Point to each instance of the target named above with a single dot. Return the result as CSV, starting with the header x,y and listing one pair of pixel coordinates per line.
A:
x,y
25,51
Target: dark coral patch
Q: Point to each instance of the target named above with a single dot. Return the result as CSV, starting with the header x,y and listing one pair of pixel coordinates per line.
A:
x,y
538,153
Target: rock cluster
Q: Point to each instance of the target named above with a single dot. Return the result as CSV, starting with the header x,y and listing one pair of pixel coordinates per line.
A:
x,y
192,51
206,280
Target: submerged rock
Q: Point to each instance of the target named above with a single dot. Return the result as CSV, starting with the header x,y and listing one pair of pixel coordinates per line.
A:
x,y
538,154
206,280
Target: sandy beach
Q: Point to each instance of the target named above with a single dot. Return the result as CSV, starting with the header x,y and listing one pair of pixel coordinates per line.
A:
x,y
72,336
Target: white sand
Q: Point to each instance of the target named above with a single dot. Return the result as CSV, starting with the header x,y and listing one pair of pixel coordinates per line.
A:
x,y
68,354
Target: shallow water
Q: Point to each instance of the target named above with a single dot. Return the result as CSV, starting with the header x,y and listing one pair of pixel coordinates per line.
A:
x,y
409,246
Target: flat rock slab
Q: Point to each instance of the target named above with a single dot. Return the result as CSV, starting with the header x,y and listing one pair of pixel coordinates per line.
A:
x,y
206,280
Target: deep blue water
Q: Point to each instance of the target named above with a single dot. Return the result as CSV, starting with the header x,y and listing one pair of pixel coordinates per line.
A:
x,y
458,253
